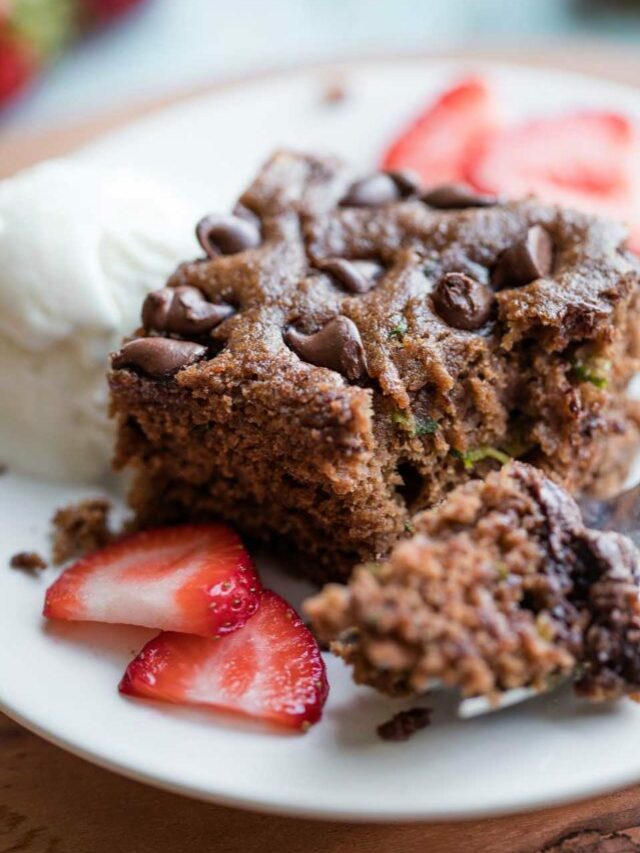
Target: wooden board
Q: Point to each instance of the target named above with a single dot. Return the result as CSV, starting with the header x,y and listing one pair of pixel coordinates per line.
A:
x,y
52,802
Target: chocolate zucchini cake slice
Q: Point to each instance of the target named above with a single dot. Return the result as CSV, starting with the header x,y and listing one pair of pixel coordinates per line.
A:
x,y
501,586
348,351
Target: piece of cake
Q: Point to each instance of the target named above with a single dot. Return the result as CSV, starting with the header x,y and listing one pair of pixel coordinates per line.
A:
x,y
347,352
501,586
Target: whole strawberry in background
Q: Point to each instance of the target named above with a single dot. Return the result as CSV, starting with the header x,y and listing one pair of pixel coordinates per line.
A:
x,y
33,33
97,12
18,65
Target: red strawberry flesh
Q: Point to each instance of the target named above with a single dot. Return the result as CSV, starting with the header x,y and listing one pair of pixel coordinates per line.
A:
x,y
587,156
439,143
271,669
586,160
197,579
17,67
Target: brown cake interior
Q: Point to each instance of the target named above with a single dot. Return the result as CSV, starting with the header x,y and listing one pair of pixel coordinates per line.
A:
x,y
501,586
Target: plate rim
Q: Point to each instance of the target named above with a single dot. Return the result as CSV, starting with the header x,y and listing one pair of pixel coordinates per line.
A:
x,y
320,814
261,803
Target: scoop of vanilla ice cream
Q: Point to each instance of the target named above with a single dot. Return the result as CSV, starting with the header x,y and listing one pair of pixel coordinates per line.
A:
x,y
80,246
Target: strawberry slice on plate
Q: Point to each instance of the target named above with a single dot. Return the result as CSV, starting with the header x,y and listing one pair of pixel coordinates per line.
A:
x,y
195,578
438,144
585,160
271,669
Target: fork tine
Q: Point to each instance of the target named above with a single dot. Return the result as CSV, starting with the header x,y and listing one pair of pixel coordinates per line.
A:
x,y
477,706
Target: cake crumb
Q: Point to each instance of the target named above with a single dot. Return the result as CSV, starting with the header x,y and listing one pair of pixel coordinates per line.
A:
x,y
405,724
80,527
334,92
28,561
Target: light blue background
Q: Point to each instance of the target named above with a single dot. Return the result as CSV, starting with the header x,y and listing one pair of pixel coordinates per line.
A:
x,y
171,44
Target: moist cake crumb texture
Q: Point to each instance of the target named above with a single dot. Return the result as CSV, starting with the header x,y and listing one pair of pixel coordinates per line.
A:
x,y
28,561
80,528
348,351
500,586
405,724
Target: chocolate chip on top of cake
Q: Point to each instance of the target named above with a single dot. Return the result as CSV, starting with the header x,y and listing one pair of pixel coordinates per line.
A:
x,y
501,586
347,351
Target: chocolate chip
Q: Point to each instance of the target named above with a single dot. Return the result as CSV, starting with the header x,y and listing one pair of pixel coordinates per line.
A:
x,y
182,310
372,191
156,309
525,261
558,508
462,301
227,235
158,356
407,181
355,276
405,724
337,346
457,197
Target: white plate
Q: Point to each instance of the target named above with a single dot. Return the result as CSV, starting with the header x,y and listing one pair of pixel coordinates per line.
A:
x,y
60,680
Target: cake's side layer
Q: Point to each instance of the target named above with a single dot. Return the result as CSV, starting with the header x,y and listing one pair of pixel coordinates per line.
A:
x,y
500,587
302,470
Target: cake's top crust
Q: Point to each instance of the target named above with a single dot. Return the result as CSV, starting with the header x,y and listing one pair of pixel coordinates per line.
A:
x,y
330,284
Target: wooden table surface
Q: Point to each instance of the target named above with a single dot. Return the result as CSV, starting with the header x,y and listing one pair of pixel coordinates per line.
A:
x,y
52,802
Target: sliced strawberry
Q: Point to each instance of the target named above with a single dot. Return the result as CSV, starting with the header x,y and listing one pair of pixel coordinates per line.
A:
x,y
17,66
439,143
585,160
272,669
634,232
195,578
